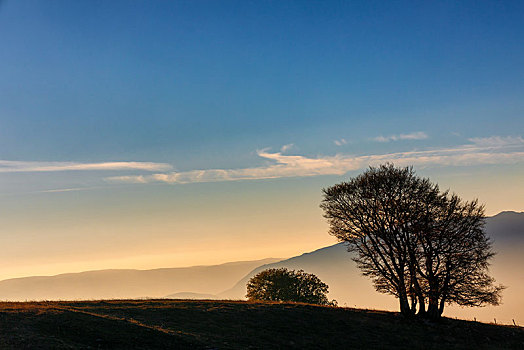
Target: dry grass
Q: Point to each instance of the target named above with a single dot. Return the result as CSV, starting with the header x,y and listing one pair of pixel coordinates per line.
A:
x,y
192,324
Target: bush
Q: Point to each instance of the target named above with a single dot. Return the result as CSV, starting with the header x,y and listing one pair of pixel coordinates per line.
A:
x,y
288,285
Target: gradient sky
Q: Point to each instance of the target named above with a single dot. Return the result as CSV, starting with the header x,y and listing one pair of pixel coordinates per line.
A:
x,y
141,134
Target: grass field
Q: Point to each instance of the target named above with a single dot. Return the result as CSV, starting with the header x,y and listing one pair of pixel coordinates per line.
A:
x,y
191,324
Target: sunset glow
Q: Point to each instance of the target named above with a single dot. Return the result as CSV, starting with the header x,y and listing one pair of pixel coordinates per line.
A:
x,y
139,136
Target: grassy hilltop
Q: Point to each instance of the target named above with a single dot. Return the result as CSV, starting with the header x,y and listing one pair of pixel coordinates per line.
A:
x,y
183,324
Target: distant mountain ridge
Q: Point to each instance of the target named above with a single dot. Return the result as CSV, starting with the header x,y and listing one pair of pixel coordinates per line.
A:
x,y
120,283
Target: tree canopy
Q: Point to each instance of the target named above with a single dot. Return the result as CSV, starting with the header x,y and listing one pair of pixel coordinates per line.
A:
x,y
424,246
287,285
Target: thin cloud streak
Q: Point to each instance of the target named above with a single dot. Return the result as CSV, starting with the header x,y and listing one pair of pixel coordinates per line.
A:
x,y
56,190
419,135
73,189
301,166
9,166
340,142
498,141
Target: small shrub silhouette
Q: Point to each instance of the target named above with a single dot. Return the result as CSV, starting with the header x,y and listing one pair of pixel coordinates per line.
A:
x,y
288,285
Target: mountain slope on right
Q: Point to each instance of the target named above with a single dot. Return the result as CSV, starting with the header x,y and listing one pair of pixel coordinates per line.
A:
x,y
334,266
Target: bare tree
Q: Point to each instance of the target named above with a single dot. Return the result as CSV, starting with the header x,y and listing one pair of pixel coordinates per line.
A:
x,y
415,242
455,254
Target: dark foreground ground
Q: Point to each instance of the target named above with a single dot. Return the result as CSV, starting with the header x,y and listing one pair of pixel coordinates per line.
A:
x,y
177,324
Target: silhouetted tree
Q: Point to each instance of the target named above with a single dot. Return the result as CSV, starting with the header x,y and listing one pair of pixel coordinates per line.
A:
x,y
421,245
454,256
287,285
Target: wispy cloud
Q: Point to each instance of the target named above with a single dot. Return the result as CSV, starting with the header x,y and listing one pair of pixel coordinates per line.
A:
x,y
9,166
286,147
497,141
73,189
55,190
340,142
419,135
284,166
300,166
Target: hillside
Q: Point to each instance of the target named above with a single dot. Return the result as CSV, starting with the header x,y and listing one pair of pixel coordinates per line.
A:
x,y
110,284
170,324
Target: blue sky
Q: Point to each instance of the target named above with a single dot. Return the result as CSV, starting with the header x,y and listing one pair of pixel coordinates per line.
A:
x,y
105,104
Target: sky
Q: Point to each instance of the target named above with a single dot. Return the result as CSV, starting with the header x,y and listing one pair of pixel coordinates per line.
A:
x,y
143,134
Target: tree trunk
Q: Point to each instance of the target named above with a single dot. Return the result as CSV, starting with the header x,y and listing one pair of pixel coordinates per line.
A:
x,y
403,296
421,306
420,297
433,308
441,307
413,304
404,305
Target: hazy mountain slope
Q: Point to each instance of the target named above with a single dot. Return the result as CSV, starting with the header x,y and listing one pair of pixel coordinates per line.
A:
x,y
506,227
106,284
334,266
507,231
